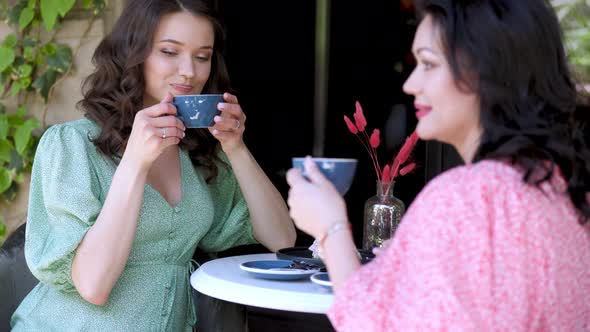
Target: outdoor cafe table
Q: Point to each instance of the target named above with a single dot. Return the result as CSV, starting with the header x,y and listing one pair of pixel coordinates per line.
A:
x,y
223,279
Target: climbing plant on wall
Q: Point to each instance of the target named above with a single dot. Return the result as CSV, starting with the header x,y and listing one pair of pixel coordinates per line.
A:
x,y
32,64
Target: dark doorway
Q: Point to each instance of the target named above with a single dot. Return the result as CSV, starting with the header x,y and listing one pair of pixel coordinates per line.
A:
x,y
270,55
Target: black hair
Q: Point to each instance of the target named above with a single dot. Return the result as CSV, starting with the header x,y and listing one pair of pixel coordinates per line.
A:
x,y
528,98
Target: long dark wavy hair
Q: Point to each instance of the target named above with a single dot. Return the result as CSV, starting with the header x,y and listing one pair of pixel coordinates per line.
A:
x,y
114,93
528,98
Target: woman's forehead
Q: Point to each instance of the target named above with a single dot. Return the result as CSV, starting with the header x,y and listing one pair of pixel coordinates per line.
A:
x,y
427,37
186,29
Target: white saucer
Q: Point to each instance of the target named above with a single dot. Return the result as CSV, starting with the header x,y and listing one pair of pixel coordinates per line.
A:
x,y
275,269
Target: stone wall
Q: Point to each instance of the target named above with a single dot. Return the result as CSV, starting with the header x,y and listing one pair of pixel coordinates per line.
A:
x,y
62,105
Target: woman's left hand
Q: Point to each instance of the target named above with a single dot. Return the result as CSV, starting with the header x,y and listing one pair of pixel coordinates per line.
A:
x,y
229,126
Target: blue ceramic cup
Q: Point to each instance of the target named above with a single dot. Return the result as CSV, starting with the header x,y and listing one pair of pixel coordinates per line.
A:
x,y
339,171
197,111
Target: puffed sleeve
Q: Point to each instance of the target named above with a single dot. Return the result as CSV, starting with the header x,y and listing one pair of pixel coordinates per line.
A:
x,y
231,225
450,263
63,204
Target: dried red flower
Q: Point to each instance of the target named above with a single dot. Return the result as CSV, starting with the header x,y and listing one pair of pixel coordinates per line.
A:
x,y
359,117
407,169
389,171
374,140
385,177
351,127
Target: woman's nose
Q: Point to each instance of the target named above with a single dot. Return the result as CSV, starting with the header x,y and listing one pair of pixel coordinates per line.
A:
x,y
186,68
410,86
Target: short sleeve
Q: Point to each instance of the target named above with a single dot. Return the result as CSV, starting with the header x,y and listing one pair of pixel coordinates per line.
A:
x,y
231,222
63,204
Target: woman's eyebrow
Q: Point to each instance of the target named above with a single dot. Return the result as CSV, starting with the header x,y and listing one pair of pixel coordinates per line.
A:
x,y
173,41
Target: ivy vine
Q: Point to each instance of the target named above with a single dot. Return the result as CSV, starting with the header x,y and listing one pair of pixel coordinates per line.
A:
x,y
32,63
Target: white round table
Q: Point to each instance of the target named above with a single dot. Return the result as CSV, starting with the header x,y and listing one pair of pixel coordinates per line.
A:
x,y
223,279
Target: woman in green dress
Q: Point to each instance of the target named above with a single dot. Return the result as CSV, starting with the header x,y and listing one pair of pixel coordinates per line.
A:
x,y
120,199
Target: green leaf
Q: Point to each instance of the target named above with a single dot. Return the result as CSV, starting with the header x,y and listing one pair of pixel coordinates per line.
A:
x,y
44,83
19,178
65,6
5,179
9,41
6,57
5,148
61,60
48,49
2,228
29,41
3,126
15,120
25,83
25,70
28,54
32,4
18,60
26,16
21,111
49,11
14,14
16,87
99,5
10,194
16,162
22,135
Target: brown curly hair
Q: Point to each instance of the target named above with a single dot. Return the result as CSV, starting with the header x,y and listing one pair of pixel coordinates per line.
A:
x,y
114,92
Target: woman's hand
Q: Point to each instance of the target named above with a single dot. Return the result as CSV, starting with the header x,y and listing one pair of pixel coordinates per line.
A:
x,y
315,205
229,126
154,129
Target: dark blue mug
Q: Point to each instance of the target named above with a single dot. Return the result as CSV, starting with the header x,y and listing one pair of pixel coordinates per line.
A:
x,y
339,171
197,111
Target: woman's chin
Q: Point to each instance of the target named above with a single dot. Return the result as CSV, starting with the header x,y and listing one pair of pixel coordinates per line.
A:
x,y
423,131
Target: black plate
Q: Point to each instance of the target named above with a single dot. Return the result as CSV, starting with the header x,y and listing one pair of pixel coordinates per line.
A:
x,y
304,254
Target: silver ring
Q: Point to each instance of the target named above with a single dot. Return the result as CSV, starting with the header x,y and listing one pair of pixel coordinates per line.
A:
x,y
163,133
238,126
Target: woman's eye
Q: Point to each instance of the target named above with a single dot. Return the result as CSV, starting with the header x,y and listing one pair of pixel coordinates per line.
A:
x,y
202,58
169,53
427,65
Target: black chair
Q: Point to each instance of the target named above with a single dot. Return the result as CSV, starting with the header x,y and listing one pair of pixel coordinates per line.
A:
x,y
214,315
16,280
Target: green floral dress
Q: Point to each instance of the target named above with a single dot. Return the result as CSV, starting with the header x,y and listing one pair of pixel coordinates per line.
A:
x,y
70,182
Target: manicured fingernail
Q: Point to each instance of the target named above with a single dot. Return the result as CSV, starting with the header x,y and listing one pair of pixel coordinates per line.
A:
x,y
217,118
183,134
215,131
221,106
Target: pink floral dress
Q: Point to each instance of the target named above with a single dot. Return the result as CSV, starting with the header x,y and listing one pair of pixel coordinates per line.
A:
x,y
478,250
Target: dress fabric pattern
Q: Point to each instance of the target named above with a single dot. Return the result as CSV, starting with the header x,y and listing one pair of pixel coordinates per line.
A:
x,y
478,250
70,182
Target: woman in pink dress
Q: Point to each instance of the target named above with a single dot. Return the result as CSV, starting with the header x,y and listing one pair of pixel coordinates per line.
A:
x,y
502,243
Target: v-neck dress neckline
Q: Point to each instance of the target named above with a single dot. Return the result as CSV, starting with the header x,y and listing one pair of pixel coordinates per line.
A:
x,y
183,159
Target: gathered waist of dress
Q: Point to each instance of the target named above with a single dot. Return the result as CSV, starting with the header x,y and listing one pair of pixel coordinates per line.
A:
x,y
189,267
158,263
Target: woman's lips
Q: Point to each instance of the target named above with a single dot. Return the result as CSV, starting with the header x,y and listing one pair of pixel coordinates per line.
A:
x,y
182,88
421,110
